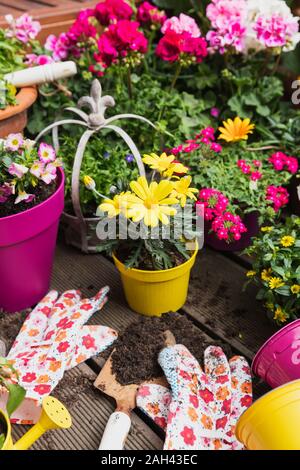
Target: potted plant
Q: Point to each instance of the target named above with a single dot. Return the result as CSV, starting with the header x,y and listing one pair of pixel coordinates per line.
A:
x,y
241,185
31,202
15,43
276,269
16,394
149,229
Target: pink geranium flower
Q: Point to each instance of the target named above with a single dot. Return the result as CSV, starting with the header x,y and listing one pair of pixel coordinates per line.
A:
x,y
182,24
175,46
149,14
23,28
113,10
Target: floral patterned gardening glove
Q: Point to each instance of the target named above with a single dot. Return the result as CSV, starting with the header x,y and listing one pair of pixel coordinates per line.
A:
x,y
54,338
202,408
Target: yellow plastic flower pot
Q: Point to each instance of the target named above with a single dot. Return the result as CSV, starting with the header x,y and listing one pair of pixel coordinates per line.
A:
x,y
54,416
153,293
272,422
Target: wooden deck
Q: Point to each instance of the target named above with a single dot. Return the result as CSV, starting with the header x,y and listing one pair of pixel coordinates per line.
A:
x,y
55,16
216,304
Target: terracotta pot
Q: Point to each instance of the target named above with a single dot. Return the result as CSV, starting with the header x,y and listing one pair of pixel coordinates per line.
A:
x,y
14,118
251,222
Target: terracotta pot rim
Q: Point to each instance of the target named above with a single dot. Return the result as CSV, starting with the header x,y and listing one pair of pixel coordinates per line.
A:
x,y
25,98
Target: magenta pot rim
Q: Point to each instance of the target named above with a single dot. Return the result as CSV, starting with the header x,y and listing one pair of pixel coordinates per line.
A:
x,y
41,204
272,339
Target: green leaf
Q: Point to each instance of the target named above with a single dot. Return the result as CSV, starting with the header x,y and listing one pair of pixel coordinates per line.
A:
x,y
16,396
284,290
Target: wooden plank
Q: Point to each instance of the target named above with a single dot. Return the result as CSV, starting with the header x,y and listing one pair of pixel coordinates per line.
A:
x,y
90,411
217,302
23,5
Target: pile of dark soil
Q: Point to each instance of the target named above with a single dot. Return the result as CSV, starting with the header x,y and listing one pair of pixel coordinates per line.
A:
x,y
137,348
42,192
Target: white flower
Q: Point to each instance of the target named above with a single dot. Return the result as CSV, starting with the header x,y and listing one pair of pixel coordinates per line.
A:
x,y
24,197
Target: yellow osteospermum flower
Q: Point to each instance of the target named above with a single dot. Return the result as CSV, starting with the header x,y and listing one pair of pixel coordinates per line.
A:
x,y
164,164
287,241
182,190
152,201
275,283
118,204
266,274
266,229
236,130
89,182
280,315
295,289
251,273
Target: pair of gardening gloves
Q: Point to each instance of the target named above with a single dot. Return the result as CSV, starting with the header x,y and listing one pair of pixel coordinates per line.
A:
x,y
53,339
202,407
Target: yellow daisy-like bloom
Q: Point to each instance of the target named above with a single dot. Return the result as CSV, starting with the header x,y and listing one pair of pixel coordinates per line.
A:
x,y
295,289
270,306
251,273
280,315
275,283
182,190
164,164
266,274
152,202
118,204
287,241
236,130
266,229
89,182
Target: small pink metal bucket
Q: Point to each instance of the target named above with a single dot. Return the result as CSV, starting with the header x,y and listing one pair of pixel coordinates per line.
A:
x,y
278,360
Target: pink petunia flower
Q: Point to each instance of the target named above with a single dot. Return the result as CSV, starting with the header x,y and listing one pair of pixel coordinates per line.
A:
x,y
46,153
13,142
15,169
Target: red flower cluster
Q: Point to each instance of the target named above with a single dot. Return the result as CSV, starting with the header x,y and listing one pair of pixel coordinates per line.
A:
x,y
149,14
121,41
226,225
281,161
278,195
182,47
112,11
247,169
84,26
206,137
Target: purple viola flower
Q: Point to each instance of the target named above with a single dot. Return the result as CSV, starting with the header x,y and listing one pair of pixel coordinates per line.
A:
x,y
106,155
129,158
6,190
215,112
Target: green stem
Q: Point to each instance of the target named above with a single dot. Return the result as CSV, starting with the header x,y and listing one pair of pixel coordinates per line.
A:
x,y
174,81
129,83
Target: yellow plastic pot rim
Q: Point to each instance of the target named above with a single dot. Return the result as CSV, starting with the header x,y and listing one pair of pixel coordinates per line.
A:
x,y
8,429
264,403
170,273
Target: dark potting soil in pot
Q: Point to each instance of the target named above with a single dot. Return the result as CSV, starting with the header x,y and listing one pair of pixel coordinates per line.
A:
x,y
138,346
42,192
124,252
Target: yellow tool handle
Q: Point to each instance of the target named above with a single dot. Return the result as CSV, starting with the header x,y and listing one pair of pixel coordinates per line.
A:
x,y
30,437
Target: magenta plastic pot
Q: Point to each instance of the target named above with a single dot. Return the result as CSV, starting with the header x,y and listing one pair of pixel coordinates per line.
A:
x,y
251,222
278,360
27,245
